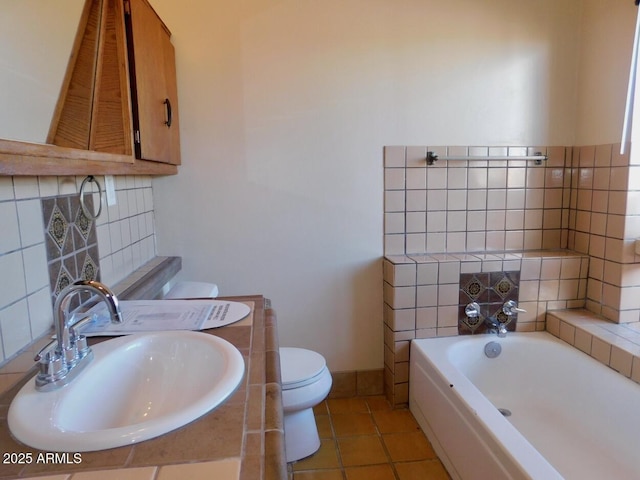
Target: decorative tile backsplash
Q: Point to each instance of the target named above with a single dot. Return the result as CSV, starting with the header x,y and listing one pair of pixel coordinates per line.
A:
x,y
71,242
490,290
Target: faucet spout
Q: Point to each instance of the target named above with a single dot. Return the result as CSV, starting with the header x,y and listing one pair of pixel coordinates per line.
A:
x,y
60,365
61,309
497,327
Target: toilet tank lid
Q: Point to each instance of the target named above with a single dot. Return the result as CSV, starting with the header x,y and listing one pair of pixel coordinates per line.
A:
x,y
299,364
185,290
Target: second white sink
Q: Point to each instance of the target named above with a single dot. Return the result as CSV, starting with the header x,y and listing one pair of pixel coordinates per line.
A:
x,y
137,387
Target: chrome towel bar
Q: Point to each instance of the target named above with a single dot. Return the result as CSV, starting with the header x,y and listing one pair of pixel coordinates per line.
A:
x,y
538,157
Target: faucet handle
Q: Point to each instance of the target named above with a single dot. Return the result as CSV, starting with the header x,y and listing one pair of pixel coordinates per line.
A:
x,y
75,327
82,348
510,308
472,310
45,352
50,363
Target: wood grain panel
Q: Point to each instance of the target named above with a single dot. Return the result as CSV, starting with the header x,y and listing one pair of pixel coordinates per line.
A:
x,y
111,129
72,118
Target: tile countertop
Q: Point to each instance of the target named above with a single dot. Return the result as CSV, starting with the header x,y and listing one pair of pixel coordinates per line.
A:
x,y
243,438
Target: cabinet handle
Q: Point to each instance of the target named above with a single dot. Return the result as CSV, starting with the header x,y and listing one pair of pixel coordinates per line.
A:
x,y
167,102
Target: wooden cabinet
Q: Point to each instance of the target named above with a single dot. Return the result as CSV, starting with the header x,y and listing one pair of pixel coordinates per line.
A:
x,y
118,109
153,84
94,109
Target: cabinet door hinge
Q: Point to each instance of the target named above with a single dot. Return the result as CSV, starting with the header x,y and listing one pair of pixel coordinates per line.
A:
x,y
136,136
127,7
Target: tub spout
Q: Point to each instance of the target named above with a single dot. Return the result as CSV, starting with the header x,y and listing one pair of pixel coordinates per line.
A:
x,y
496,326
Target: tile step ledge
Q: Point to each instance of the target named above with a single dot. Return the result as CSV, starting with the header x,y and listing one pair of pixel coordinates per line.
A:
x,y
616,345
480,256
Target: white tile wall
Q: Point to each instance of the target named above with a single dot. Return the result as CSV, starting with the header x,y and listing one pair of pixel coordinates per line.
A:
x,y
457,206
126,240
585,198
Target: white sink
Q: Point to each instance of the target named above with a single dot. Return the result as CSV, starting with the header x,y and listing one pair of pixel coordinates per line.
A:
x,y
137,387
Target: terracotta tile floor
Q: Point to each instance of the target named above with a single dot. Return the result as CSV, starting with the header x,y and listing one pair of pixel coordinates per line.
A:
x,y
362,438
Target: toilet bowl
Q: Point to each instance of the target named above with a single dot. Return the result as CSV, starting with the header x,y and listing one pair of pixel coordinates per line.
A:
x,y
306,382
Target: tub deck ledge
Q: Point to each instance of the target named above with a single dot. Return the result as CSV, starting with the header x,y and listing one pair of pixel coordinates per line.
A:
x,y
616,345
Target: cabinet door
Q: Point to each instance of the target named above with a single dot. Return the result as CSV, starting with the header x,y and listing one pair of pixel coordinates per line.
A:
x,y
153,85
171,86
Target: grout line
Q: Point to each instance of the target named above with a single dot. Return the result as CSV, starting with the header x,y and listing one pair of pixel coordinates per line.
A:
x,y
334,438
384,445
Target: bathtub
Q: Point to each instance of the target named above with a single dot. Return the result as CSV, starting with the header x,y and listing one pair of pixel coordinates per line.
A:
x,y
570,416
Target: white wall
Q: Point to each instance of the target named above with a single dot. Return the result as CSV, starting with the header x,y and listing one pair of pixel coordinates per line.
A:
x,y
606,41
285,107
36,38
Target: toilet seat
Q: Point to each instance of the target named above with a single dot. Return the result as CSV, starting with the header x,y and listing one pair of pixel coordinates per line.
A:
x,y
300,367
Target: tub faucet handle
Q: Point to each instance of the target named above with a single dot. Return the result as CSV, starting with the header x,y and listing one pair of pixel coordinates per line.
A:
x,y
472,310
510,308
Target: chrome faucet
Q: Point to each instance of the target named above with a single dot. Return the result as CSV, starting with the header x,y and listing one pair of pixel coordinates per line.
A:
x,y
472,311
497,327
510,308
61,360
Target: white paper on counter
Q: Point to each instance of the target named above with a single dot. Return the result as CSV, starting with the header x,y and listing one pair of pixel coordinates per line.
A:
x,y
161,315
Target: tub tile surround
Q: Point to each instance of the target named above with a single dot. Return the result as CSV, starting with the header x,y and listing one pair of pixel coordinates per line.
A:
x,y
569,226
422,298
117,242
475,206
604,222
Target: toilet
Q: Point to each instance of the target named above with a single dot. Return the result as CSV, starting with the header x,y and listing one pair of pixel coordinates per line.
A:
x,y
306,382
